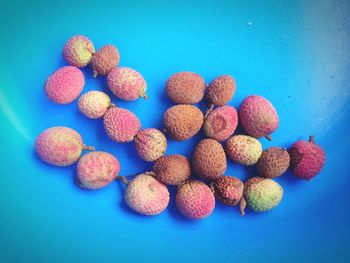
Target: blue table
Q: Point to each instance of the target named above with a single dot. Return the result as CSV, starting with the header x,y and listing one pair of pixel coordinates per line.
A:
x,y
295,53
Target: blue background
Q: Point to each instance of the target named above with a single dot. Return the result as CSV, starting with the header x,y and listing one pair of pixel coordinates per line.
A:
x,y
295,53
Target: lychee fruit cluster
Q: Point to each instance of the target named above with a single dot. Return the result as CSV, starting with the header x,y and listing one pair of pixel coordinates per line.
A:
x,y
199,179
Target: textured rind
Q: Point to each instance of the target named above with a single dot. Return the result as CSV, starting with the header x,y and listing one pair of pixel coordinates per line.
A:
x,y
60,146
209,159
172,169
65,85
306,159
96,170
147,196
150,144
228,189
262,194
105,59
185,88
126,83
273,162
183,121
120,124
195,200
94,104
78,51
221,90
243,149
257,116
221,123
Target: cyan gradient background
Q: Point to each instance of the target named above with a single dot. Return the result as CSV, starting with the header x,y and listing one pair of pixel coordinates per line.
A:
x,y
295,53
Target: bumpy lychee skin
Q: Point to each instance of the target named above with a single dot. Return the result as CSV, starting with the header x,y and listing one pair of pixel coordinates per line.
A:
x,y
195,200
96,170
273,162
94,104
65,85
120,124
221,90
126,83
78,51
243,149
104,60
147,196
306,158
185,88
221,123
172,169
258,117
150,144
59,146
209,159
182,121
262,194
228,189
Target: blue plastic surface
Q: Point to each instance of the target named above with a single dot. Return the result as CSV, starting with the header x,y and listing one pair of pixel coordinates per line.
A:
x,y
295,53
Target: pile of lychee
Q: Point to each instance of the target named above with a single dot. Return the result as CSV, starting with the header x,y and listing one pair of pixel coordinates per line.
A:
x,y
147,193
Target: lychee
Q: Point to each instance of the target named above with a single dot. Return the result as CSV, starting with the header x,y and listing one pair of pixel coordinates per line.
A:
x,y
65,85
262,194
306,158
126,83
258,117
120,124
96,170
273,162
195,200
146,195
221,90
94,104
182,121
150,144
172,169
228,189
209,159
60,146
221,123
243,149
104,60
185,88
78,51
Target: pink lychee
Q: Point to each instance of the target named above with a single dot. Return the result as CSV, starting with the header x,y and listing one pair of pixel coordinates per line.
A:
x,y
258,117
126,83
195,200
65,85
221,123
306,158
97,169
120,124
147,196
150,144
78,51
60,146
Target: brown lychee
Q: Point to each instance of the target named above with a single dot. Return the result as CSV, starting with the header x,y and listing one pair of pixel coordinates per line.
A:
x,y
182,121
209,159
273,162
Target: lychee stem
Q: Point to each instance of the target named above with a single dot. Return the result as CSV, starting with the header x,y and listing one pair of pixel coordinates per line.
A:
x,y
111,105
209,110
268,137
144,96
165,130
95,73
123,179
312,138
88,148
211,185
242,206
